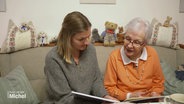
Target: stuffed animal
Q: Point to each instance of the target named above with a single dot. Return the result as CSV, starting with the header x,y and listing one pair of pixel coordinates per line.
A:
x,y
95,36
25,26
109,36
167,21
42,38
120,35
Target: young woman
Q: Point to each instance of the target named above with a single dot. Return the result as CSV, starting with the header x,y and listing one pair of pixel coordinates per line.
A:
x,y
72,64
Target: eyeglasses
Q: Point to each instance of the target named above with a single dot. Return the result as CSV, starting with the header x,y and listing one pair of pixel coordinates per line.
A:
x,y
135,43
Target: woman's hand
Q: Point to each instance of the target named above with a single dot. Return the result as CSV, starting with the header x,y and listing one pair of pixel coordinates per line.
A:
x,y
109,97
154,94
138,94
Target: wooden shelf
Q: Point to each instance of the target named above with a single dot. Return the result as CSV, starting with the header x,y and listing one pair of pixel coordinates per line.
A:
x,y
101,44
95,44
181,46
49,45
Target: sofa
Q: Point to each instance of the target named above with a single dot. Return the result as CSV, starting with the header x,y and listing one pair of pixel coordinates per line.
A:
x,y
32,62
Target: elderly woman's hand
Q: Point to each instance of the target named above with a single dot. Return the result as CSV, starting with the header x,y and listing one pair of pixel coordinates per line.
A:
x,y
154,94
137,94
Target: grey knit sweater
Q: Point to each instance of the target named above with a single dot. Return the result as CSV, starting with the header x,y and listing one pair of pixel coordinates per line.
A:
x,y
62,77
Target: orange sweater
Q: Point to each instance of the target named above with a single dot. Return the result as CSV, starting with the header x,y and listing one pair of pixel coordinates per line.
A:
x,y
116,79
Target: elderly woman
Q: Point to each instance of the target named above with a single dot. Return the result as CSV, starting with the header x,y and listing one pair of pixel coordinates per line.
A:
x,y
134,70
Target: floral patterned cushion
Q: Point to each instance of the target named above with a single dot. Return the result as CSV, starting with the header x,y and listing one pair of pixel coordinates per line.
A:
x,y
19,38
164,36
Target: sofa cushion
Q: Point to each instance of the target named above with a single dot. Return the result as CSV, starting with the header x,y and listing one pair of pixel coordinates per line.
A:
x,y
167,55
164,36
16,89
172,84
103,55
180,56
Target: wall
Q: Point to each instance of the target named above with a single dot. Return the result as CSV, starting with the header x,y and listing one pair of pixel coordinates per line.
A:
x,y
47,15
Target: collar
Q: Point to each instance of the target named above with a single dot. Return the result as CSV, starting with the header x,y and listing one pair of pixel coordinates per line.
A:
x,y
126,60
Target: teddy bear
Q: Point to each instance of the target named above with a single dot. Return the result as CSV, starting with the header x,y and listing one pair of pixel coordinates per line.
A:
x,y
120,35
167,21
95,36
108,35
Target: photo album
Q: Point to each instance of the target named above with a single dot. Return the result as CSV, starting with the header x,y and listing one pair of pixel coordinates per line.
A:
x,y
144,99
100,99
92,98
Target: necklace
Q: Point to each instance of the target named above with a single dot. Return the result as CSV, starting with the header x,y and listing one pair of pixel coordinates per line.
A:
x,y
140,75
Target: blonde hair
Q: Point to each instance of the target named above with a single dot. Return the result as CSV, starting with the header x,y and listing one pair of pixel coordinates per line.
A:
x,y
74,22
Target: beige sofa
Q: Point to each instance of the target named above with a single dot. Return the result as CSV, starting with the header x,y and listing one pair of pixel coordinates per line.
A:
x,y
32,61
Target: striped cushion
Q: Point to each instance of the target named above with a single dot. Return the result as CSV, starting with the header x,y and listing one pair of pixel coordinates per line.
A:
x,y
172,84
16,89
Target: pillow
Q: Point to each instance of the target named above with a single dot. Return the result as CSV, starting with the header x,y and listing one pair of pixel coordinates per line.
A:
x,y
172,84
164,36
17,39
16,89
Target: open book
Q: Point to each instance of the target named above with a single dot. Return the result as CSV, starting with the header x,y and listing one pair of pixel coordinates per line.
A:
x,y
92,98
139,99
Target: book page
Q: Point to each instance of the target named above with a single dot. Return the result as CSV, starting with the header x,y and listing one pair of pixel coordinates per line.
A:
x,y
143,98
90,97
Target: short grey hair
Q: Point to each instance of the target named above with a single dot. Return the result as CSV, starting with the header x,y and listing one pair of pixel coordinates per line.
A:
x,y
137,23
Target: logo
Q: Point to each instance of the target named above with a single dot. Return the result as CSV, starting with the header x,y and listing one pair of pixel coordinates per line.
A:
x,y
16,94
